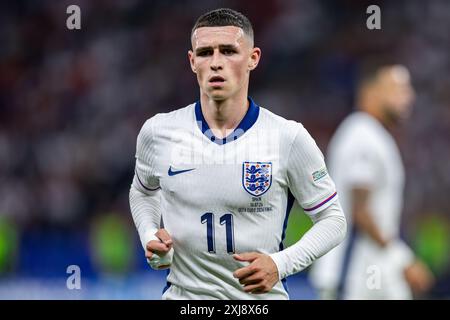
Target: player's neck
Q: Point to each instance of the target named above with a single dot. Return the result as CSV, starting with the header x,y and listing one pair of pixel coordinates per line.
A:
x,y
376,113
225,115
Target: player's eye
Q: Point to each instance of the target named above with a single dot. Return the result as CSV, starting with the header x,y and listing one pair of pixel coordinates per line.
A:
x,y
204,53
228,51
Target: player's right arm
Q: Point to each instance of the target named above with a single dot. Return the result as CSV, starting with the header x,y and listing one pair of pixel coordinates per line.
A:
x,y
144,196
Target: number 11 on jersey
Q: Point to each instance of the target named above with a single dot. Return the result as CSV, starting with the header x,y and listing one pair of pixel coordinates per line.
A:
x,y
227,220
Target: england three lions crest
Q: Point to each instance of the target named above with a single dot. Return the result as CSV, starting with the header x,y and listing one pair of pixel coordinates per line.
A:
x,y
256,177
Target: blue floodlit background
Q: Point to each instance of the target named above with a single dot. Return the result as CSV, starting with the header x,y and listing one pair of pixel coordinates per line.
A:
x,y
72,103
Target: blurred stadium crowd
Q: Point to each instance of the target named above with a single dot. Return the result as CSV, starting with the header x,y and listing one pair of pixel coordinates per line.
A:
x,y
72,104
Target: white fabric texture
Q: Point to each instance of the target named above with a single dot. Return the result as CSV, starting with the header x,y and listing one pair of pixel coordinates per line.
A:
x,y
328,231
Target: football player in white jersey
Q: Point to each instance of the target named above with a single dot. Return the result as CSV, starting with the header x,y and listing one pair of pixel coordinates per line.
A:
x,y
373,262
214,181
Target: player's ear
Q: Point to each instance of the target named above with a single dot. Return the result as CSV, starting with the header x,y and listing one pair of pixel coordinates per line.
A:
x,y
255,56
191,60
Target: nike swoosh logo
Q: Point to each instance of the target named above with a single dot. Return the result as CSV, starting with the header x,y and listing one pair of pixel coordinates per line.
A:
x,y
173,173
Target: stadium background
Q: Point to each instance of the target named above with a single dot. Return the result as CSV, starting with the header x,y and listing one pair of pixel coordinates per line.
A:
x,y
72,103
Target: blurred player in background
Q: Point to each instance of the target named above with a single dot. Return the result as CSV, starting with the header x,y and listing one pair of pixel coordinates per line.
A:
x,y
363,158
219,174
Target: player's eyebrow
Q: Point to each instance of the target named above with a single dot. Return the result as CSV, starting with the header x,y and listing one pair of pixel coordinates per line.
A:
x,y
221,47
228,46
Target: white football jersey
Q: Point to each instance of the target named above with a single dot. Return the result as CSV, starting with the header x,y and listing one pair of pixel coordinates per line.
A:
x,y
363,153
226,196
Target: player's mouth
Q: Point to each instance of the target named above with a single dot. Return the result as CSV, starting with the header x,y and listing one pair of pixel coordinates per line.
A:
x,y
216,81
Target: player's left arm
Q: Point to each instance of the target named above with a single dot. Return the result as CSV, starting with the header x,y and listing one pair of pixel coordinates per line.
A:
x,y
264,271
315,191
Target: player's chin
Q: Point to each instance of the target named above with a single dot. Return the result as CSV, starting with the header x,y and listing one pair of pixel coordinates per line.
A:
x,y
218,95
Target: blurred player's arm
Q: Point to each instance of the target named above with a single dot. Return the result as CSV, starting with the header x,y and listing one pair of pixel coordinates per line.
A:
x,y
144,199
362,219
416,272
364,174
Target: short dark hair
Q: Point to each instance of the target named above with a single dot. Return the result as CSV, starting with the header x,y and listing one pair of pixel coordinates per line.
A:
x,y
224,17
370,68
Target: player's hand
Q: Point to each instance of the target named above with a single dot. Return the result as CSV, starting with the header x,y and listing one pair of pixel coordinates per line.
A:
x,y
419,277
159,252
260,275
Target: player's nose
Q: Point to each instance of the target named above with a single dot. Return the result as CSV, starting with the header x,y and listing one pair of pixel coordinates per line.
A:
x,y
216,61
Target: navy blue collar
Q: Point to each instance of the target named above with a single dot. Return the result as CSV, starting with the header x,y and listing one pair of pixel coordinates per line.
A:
x,y
246,123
